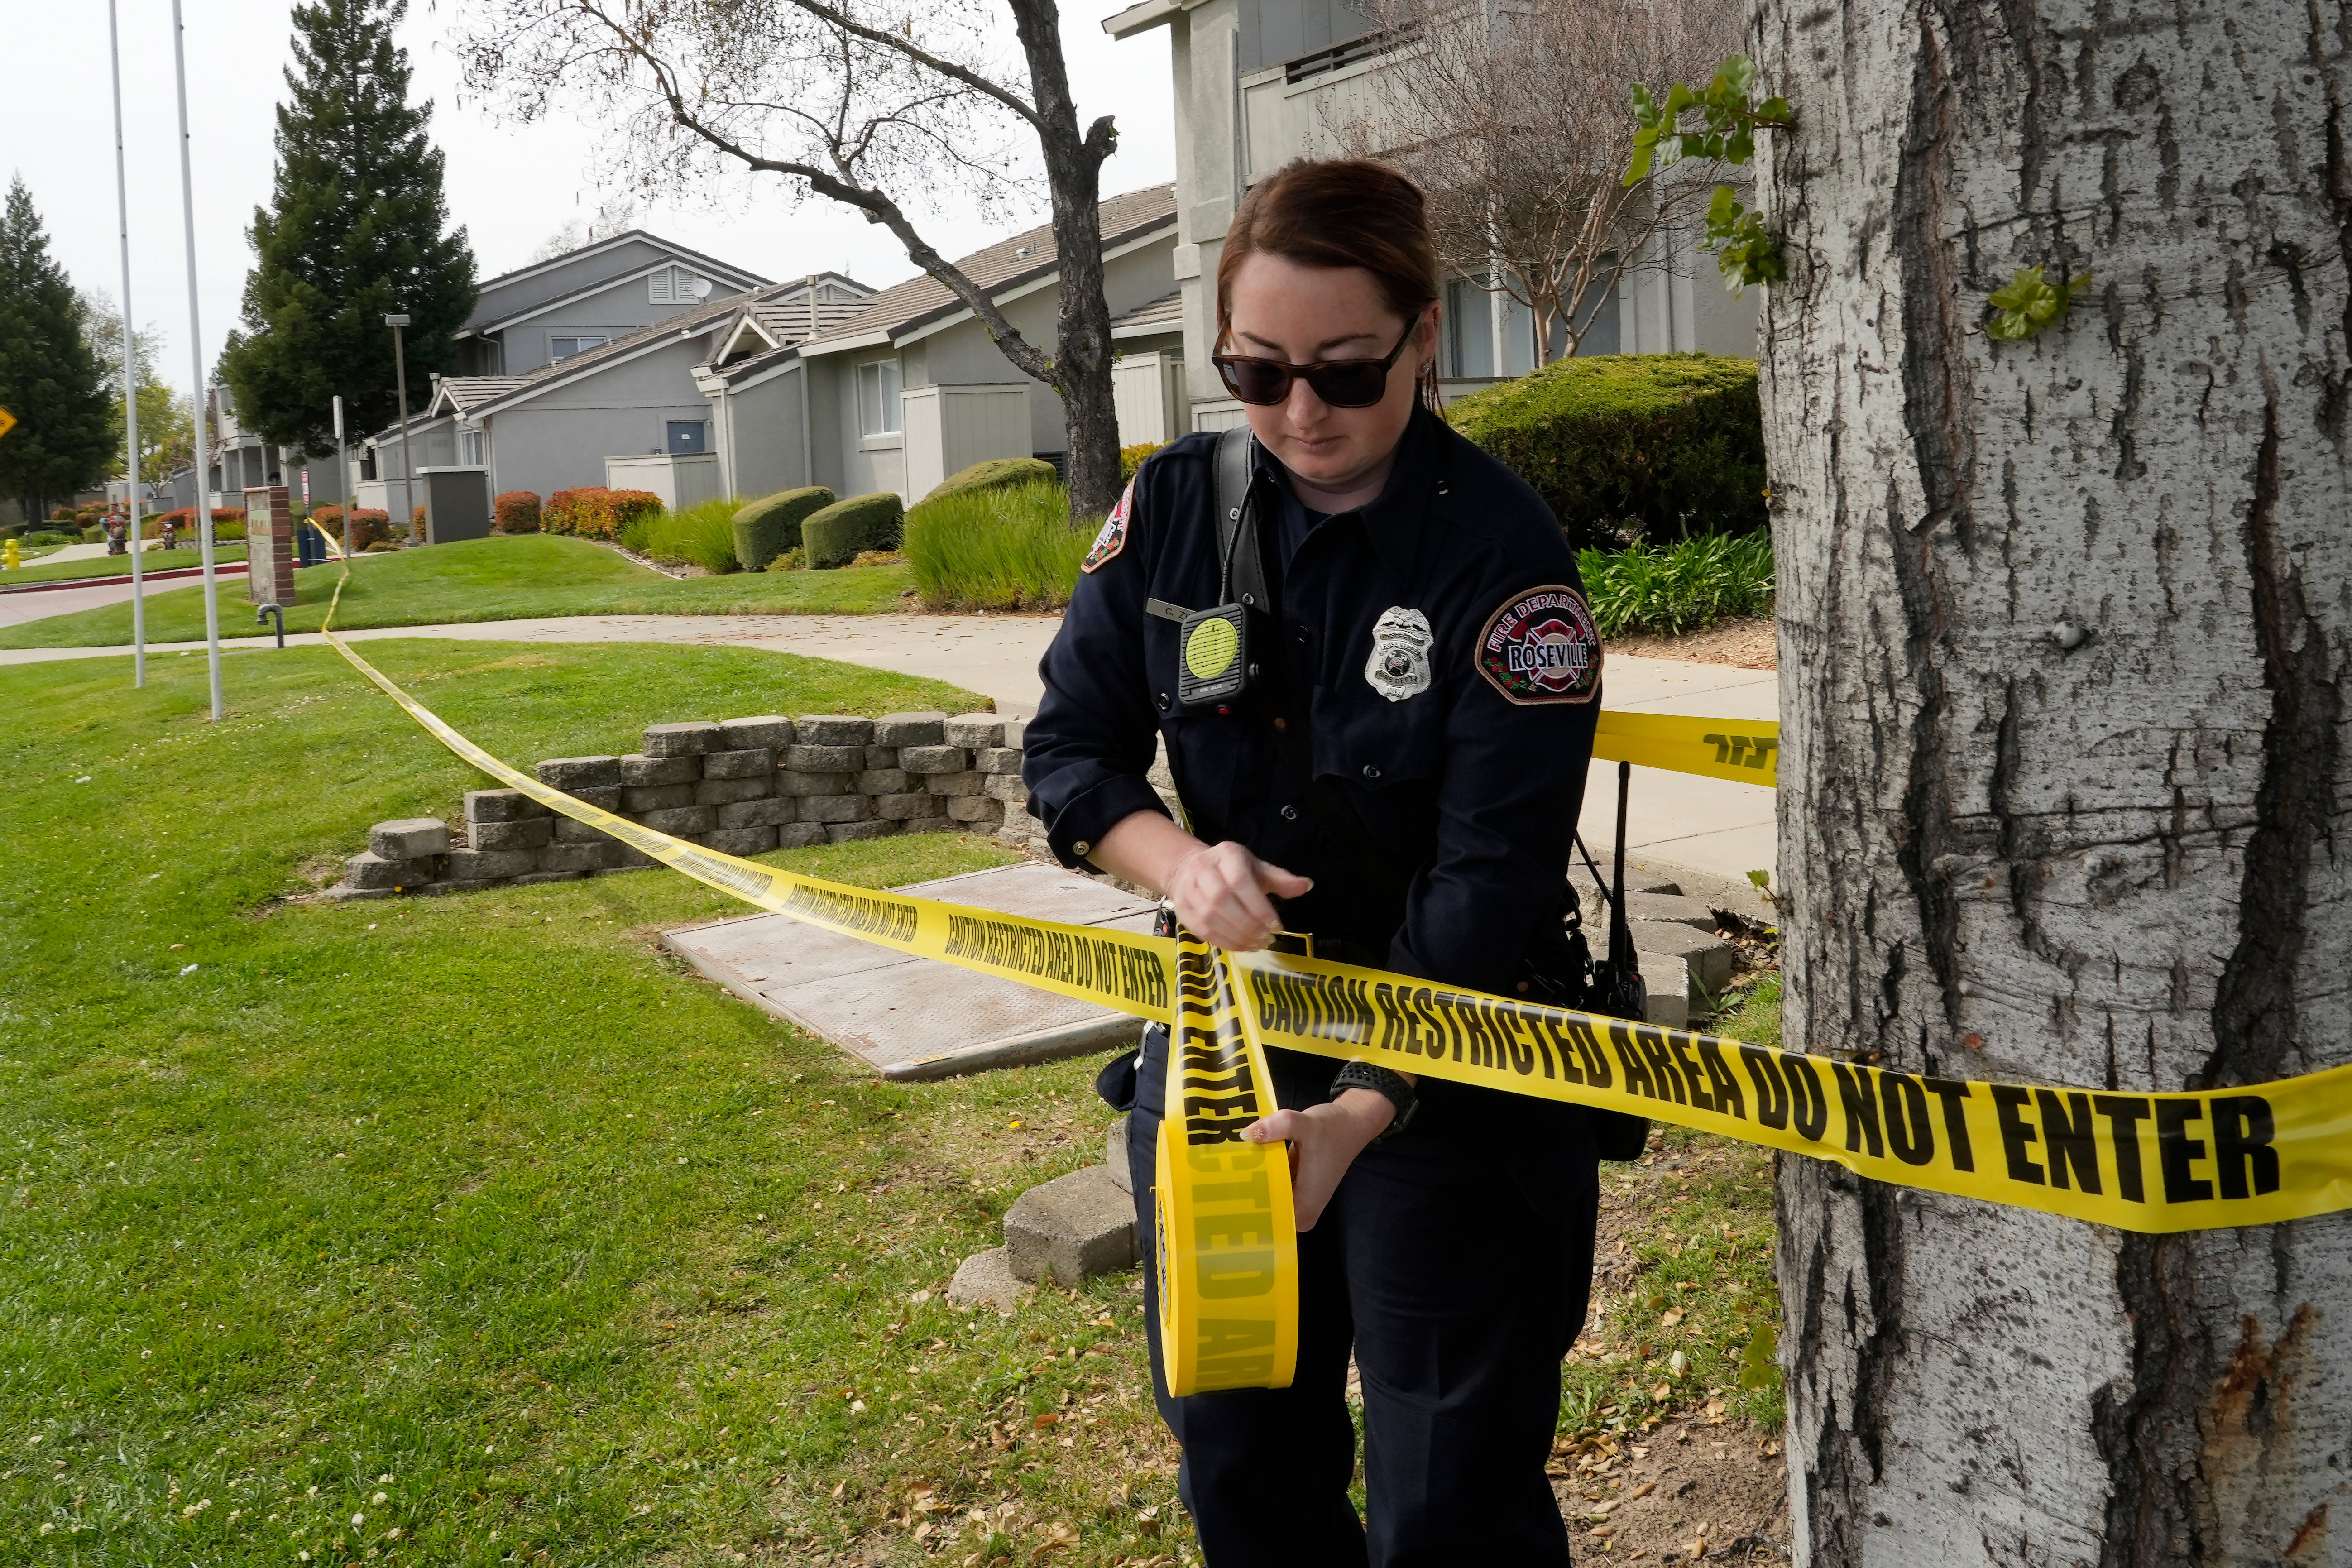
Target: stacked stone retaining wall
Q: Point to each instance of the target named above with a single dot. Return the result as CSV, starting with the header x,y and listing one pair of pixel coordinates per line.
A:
x,y
740,787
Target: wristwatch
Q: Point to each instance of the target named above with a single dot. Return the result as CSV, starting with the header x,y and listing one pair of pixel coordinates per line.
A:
x,y
1365,1074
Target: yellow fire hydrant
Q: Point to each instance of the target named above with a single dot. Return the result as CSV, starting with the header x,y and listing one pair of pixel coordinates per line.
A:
x,y
9,561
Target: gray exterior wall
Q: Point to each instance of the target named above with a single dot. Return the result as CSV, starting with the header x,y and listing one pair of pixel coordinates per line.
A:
x,y
756,431
615,287
560,439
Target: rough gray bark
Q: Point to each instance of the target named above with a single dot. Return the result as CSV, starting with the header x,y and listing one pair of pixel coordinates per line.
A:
x,y
2064,634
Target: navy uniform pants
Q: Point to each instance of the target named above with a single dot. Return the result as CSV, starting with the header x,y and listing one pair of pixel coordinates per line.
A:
x,y
1454,1262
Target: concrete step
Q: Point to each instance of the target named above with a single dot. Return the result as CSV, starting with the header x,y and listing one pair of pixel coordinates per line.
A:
x,y
1115,1156
1072,1228
987,1279
1670,908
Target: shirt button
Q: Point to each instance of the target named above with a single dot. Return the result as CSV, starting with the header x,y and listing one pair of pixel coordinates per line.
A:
x,y
1082,846
1305,635
1290,814
1370,772
1163,702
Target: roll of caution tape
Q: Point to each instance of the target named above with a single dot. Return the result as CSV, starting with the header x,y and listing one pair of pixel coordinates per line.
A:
x,y
1227,1252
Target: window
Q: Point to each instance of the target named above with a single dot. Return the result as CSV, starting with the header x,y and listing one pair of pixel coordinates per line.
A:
x,y
564,348
470,447
686,435
878,398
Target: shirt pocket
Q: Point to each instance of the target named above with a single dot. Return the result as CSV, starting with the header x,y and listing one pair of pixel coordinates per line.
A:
x,y
1363,739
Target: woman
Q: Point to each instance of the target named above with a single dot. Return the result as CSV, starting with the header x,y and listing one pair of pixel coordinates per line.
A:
x,y
1400,778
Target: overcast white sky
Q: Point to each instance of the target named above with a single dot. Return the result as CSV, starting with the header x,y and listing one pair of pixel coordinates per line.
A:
x,y
511,186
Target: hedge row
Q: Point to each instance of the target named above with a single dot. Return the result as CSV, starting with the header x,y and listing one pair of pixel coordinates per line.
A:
x,y
594,512
838,534
771,525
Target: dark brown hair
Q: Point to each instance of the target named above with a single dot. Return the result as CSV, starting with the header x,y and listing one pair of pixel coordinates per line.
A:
x,y
1338,211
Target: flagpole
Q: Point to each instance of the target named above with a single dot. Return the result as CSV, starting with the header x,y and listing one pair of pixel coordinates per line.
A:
x,y
196,356
130,367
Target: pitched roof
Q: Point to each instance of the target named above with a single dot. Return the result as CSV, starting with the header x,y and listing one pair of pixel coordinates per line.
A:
x,y
783,325
1022,258
610,240
472,395
1165,314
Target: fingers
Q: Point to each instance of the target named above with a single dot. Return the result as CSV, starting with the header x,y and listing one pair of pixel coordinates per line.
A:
x,y
1284,884
1221,895
1273,1128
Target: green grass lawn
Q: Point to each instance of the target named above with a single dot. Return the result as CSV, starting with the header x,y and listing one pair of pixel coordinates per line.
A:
x,y
484,579
105,566
477,1230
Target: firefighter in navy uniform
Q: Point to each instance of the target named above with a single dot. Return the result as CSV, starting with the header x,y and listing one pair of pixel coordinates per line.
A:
x,y
1397,773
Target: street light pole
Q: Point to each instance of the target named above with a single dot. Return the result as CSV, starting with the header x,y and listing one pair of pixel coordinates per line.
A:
x,y
196,355
407,464
342,476
130,368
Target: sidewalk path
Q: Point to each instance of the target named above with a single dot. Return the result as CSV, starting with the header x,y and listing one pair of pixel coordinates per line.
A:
x,y
1673,820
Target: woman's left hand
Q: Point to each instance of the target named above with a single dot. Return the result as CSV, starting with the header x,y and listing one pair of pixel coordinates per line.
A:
x,y
1324,1142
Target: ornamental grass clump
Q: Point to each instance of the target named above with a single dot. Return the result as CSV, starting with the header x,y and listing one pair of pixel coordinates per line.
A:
x,y
702,535
1678,587
1011,549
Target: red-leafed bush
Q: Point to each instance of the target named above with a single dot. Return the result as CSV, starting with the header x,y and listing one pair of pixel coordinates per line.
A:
x,y
517,511
368,526
593,512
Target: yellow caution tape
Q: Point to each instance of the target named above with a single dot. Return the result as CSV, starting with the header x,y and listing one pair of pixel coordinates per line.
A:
x,y
1745,751
1227,1250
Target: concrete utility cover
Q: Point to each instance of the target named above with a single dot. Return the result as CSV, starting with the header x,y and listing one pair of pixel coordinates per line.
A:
x,y
912,1018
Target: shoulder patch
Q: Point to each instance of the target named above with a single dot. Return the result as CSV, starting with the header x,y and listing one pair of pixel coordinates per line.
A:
x,y
1113,537
1540,645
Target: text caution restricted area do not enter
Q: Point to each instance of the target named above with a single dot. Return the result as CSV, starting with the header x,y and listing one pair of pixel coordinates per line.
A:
x,y
1227,1246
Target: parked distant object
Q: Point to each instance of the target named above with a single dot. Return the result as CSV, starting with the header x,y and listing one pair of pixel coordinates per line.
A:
x,y
838,533
995,473
771,525
517,512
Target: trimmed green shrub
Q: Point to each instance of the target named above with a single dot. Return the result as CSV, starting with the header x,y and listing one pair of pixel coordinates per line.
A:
x,y
997,549
837,534
94,534
702,535
517,511
1630,446
771,525
995,473
1687,584
55,536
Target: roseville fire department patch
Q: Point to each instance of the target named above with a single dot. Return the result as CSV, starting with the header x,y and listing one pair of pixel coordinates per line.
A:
x,y
1113,537
1542,646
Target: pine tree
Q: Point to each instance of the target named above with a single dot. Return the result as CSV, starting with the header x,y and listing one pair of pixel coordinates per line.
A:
x,y
355,228
48,377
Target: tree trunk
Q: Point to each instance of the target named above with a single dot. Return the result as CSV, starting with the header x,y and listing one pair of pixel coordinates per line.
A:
x,y
2063,632
1082,346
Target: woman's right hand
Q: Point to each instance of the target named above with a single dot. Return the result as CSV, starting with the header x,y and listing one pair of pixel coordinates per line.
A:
x,y
1220,893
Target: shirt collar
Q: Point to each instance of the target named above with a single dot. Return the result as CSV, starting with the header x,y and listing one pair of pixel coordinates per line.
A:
x,y
1391,519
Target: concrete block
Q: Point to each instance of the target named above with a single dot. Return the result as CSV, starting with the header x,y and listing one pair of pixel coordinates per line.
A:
x,y
1667,1002
881,781
908,729
769,811
770,732
408,838
1668,907
632,858
536,834
688,740
1006,787
648,773
881,757
746,764
1115,1157
899,807
345,893
997,760
828,729
837,808
532,878
812,784
375,873
963,782
800,835
843,832
933,759
1071,1229
1644,882
807,758
657,797
727,792
501,806
1017,733
986,1279
571,775
1666,947
681,821
976,808
489,865
567,831
973,731
595,857
940,823
606,796
741,840
1018,825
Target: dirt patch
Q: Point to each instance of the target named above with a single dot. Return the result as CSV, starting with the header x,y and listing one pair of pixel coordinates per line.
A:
x,y
1699,1488
1747,641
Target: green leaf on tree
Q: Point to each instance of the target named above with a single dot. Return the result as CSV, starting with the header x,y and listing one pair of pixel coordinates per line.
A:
x,y
2030,304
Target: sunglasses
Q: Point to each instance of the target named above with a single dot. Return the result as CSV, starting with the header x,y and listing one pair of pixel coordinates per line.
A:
x,y
1342,382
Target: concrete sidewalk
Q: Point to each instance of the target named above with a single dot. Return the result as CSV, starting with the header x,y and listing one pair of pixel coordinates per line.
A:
x,y
1674,823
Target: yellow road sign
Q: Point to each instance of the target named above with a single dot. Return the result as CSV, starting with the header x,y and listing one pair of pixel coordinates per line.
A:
x,y
8,422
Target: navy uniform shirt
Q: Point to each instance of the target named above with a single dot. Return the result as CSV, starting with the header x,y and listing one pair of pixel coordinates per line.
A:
x,y
1419,739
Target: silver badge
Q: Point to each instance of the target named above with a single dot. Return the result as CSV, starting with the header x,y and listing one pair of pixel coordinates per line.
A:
x,y
1399,667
